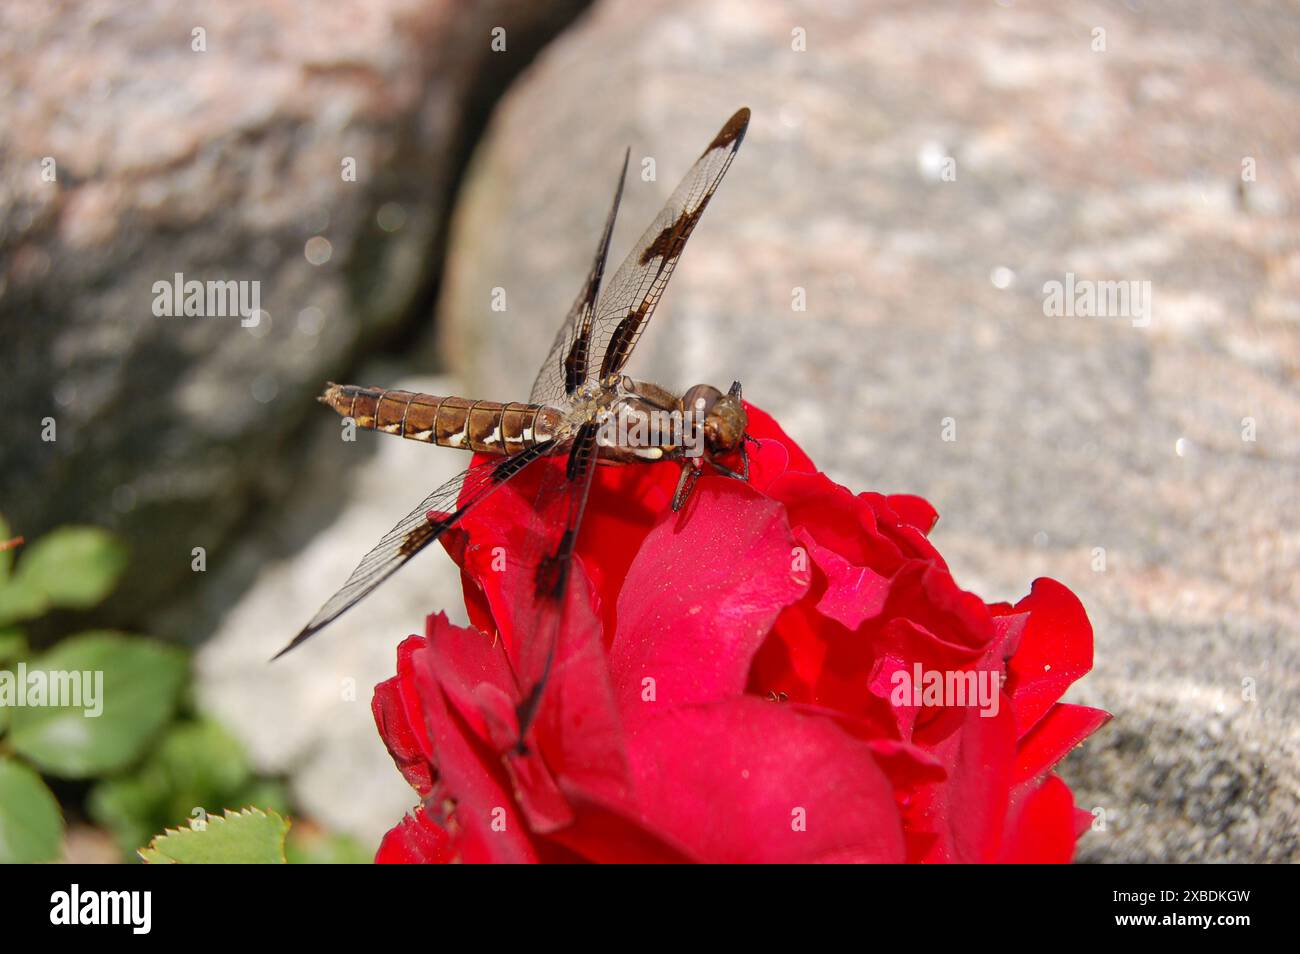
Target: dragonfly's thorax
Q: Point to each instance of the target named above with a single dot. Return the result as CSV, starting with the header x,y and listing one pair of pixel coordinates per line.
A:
x,y
594,400
638,421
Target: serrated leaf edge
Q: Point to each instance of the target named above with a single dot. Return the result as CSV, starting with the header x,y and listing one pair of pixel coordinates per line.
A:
x,y
226,814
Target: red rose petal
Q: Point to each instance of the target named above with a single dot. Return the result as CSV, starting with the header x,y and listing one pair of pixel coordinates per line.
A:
x,y
959,624
416,840
1083,820
793,656
1041,825
1055,650
467,661
885,684
911,771
853,593
733,781
543,804
490,825
608,834
1008,630
576,735
578,729
700,598
623,505
879,519
400,719
1051,740
914,511
911,644
967,812
831,515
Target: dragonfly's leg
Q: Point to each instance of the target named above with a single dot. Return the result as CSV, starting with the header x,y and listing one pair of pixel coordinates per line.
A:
x,y
728,472
744,462
685,484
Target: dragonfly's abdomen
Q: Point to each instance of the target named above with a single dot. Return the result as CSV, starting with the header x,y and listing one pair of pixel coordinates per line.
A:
x,y
487,427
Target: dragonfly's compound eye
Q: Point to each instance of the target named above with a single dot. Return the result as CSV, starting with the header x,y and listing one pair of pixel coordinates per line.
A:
x,y
724,428
699,400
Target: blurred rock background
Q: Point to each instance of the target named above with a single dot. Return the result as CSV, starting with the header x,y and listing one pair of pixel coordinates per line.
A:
x,y
315,150
918,170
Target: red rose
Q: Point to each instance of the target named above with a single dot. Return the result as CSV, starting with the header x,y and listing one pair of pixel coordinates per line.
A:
x,y
750,680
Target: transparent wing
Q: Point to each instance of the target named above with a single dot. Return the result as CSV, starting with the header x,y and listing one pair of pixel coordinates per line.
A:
x,y
566,367
629,300
560,504
436,513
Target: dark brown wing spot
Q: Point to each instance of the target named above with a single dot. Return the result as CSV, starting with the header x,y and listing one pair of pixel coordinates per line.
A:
x,y
581,453
422,535
510,466
669,242
553,571
575,364
621,341
733,131
417,539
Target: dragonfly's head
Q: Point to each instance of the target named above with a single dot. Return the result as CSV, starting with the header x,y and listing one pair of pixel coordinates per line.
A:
x,y
723,415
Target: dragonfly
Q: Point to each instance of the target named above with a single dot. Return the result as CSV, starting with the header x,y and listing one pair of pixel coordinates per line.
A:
x,y
583,411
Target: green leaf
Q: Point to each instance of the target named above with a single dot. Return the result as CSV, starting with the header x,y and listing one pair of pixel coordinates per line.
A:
x,y
31,827
72,567
249,836
134,683
196,764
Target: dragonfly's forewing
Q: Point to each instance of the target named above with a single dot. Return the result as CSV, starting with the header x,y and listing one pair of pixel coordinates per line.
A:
x,y
629,300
